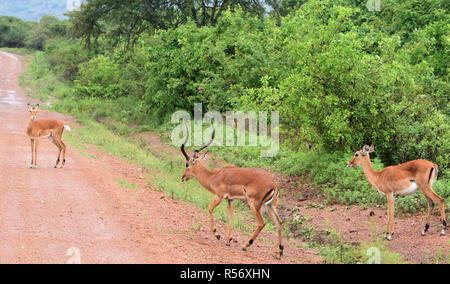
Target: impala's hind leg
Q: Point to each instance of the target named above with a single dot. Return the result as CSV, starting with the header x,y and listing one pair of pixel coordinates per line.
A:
x,y
59,150
63,147
256,209
430,194
278,222
430,207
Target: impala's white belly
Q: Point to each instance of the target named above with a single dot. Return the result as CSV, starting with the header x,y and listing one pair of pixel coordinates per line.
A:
x,y
410,190
240,197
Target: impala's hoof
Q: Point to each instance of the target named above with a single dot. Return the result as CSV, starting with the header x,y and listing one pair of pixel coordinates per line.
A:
x,y
218,237
423,234
244,249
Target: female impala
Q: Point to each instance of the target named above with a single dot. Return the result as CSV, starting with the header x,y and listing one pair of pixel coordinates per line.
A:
x,y
45,128
403,179
231,183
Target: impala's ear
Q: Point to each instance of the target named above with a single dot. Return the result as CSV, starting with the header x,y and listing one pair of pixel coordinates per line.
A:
x,y
37,106
204,156
367,149
29,106
364,150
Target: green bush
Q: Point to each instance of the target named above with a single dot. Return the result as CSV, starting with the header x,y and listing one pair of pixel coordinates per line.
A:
x,y
99,77
65,57
13,32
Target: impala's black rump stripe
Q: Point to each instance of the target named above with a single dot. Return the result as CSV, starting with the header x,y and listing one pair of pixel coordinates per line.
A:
x,y
268,193
431,173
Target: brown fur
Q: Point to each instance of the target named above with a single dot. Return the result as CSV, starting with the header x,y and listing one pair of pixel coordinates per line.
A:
x,y
46,128
232,183
393,179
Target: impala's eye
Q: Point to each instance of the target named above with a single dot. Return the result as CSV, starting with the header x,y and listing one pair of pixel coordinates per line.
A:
x,y
356,155
187,165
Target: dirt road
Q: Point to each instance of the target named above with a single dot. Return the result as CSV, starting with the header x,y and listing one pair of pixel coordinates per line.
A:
x,y
80,214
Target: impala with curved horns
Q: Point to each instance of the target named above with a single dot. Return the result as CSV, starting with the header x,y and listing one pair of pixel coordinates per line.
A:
x,y
45,128
230,183
403,179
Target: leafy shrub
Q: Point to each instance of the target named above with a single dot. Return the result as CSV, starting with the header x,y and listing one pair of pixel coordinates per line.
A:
x,y
13,32
99,78
65,57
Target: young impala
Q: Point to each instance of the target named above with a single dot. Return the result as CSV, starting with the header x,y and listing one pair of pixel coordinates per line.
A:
x,y
230,183
403,179
45,128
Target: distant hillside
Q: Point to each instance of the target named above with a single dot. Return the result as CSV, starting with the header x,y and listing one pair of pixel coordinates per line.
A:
x,y
33,10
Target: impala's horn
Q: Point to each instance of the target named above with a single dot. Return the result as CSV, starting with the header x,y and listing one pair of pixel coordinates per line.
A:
x,y
210,141
185,141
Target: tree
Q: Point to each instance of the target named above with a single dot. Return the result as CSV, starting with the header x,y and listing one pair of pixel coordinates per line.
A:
x,y
126,19
49,27
13,32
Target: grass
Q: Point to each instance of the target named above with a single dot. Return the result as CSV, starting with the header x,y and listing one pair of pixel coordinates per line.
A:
x,y
334,249
124,184
20,51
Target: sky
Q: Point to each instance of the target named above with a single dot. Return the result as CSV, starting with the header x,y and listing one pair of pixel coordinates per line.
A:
x,y
33,10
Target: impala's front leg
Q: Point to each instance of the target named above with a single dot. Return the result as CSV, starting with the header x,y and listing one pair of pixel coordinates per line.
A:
x,y
36,145
390,198
213,205
32,153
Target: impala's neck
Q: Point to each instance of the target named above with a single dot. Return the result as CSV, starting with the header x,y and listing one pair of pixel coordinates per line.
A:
x,y
203,175
369,172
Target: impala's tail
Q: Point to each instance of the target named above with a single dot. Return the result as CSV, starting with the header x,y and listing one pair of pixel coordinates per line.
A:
x,y
67,127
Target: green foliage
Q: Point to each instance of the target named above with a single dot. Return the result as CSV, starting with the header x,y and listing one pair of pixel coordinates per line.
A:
x,y
65,57
48,27
99,78
13,32
124,20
